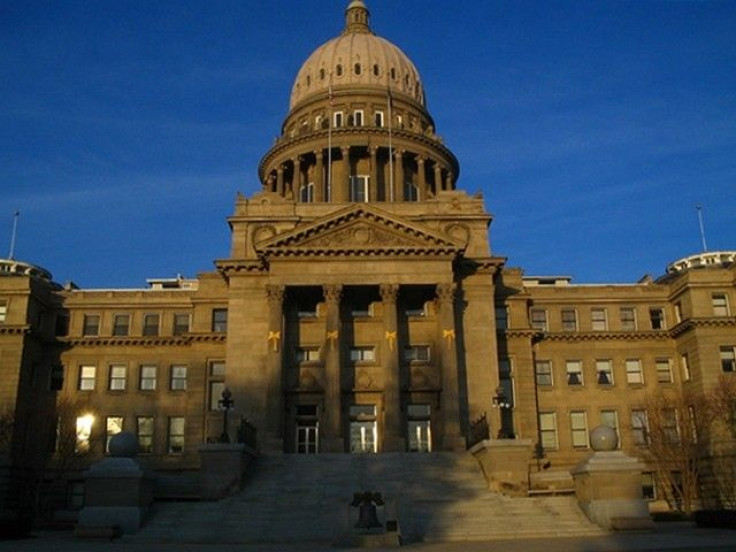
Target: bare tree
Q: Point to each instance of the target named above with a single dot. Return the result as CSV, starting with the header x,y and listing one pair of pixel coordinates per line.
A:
x,y
675,428
719,487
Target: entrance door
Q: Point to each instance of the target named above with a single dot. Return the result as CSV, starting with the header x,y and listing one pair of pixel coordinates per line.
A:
x,y
307,438
419,431
363,429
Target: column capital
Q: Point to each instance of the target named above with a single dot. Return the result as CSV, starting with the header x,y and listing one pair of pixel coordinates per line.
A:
x,y
275,294
319,153
399,153
389,292
332,292
345,150
446,292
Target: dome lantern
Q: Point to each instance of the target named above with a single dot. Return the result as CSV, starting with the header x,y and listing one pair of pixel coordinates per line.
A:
x,y
356,18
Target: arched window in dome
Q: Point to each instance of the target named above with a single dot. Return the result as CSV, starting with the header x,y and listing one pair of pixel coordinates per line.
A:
x,y
393,73
357,68
338,70
309,80
321,74
375,69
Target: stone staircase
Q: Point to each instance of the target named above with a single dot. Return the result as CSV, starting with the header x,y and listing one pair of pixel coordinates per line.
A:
x,y
434,497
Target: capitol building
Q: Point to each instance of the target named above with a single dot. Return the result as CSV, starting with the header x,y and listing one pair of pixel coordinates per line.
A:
x,y
363,310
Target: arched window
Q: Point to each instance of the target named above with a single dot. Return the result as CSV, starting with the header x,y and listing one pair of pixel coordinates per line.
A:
x,y
375,69
309,80
322,74
338,70
357,69
393,73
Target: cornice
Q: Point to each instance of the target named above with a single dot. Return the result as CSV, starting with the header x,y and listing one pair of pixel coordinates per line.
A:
x,y
231,267
363,131
706,322
570,337
169,341
15,329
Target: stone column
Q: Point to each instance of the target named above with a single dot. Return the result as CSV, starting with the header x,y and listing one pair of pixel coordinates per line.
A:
x,y
343,185
448,181
399,177
332,437
451,438
319,177
373,184
280,180
275,366
438,177
422,176
390,359
296,178
271,183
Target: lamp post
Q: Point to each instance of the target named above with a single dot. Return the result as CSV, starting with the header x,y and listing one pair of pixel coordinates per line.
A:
x,y
226,403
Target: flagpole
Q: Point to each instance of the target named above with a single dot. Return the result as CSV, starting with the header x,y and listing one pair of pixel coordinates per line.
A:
x,y
329,142
16,215
702,227
390,146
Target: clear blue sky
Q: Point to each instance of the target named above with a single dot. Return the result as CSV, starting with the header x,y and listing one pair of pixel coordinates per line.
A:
x,y
592,128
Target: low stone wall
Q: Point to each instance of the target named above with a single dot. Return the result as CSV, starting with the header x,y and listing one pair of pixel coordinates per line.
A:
x,y
505,464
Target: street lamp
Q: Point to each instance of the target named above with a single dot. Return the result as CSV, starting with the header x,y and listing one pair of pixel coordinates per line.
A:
x,y
226,403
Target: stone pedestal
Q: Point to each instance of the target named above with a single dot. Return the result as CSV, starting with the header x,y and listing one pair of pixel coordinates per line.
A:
x,y
223,468
608,488
505,464
118,493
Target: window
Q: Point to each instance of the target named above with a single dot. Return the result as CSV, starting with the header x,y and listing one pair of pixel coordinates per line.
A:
x,y
338,70
83,433
219,320
610,418
604,370
378,118
375,70
56,377
569,320
634,374
91,325
307,354
176,434
678,312
144,430
574,370
61,325
544,373
639,427
151,324
3,311
358,118
362,354
720,304
685,366
502,318
728,359
648,488
579,429
664,370
656,317
628,318
598,320
548,430
670,429
306,193
118,376
178,377
216,383
113,426
181,324
411,192
363,429
359,188
416,353
538,319
121,324
87,373
337,119
148,377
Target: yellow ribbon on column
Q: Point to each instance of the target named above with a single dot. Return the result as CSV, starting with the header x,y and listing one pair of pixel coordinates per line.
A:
x,y
449,335
332,338
274,337
391,337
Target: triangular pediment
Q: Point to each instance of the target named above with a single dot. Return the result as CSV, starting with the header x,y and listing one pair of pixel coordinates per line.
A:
x,y
358,230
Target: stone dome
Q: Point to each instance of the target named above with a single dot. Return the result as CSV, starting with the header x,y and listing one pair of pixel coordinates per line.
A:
x,y
357,58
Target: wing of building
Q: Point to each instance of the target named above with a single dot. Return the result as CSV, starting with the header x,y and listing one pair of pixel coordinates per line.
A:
x,y
361,310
